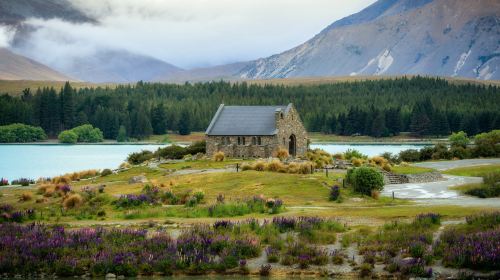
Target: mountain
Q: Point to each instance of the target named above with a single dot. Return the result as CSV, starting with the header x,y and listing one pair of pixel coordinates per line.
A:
x,y
17,67
224,72
397,37
118,66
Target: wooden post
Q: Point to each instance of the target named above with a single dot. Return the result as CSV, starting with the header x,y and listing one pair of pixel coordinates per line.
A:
x,y
237,167
326,170
312,171
392,195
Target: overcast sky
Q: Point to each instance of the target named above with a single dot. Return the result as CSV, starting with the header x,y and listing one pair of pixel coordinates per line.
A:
x,y
190,33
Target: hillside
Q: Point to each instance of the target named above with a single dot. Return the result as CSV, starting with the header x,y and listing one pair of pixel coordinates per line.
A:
x,y
394,37
17,67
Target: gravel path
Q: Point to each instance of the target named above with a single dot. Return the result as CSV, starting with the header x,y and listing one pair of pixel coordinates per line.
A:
x,y
445,165
440,192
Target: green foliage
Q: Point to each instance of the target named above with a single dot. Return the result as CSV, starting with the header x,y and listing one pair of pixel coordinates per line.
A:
x,y
409,155
87,133
21,133
459,139
170,152
365,180
489,188
424,106
68,137
352,153
122,134
487,144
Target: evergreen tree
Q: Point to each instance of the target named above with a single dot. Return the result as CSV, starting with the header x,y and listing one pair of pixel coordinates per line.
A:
x,y
67,107
185,123
159,119
122,134
378,128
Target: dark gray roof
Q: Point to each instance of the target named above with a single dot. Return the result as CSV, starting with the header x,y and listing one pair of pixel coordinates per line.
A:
x,y
245,120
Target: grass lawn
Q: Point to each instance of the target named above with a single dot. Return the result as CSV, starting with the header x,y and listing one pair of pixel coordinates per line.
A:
x,y
473,171
203,164
398,169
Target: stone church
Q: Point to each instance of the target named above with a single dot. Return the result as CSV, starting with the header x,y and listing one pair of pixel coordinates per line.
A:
x,y
256,131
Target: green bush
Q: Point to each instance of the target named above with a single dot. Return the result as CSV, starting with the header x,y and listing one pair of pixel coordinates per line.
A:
x,y
87,133
459,139
365,180
140,157
17,132
84,133
487,144
352,153
409,155
68,137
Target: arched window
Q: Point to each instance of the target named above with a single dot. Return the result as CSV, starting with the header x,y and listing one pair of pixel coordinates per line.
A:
x,y
281,115
243,140
254,140
259,141
239,140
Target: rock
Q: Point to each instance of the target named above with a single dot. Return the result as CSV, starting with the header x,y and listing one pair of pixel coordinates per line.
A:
x,y
110,276
121,277
137,179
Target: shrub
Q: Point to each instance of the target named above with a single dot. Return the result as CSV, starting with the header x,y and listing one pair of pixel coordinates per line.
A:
x,y
334,193
487,144
275,166
352,153
459,139
68,137
18,132
390,157
246,166
387,167
380,161
459,152
219,156
426,153
305,168
319,157
72,201
26,196
106,172
259,166
375,194
365,270
87,133
282,154
293,168
23,182
140,157
356,162
409,155
365,180
4,182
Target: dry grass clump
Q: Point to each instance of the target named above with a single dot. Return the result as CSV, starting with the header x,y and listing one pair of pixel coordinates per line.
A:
x,y
293,168
357,162
75,176
338,156
319,157
72,201
387,167
49,192
64,179
27,196
275,166
41,200
42,189
305,168
282,154
375,194
219,156
125,165
246,166
259,166
380,161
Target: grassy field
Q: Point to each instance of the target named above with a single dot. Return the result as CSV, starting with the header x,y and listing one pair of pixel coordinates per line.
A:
x,y
303,195
16,87
398,169
474,171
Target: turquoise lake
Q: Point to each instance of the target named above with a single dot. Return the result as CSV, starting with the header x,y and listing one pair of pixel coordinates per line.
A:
x,y
35,161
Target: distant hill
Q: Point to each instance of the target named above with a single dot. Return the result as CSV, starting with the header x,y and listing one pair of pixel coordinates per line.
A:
x,y
17,67
394,37
118,67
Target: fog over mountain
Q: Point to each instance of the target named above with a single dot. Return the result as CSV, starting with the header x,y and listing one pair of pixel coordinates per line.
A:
x,y
196,40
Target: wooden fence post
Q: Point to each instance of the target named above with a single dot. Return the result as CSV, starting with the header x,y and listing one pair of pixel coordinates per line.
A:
x,y
237,167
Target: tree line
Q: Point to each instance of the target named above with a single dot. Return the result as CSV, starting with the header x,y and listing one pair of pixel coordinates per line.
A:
x,y
423,106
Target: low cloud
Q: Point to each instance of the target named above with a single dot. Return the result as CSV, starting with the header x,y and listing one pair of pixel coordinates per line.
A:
x,y
6,35
186,33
